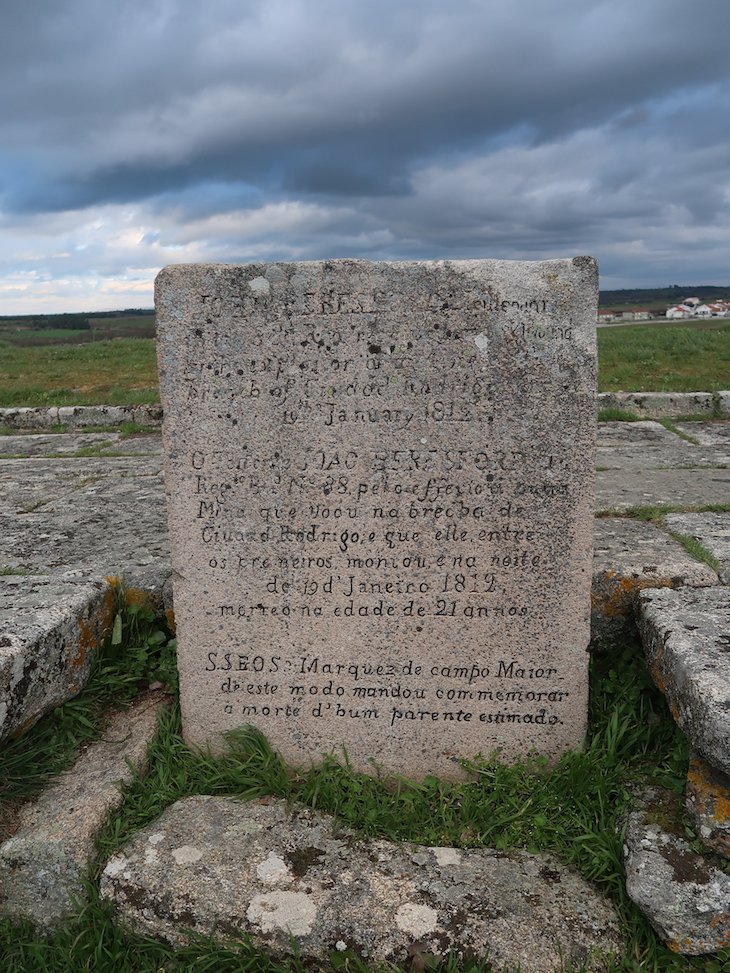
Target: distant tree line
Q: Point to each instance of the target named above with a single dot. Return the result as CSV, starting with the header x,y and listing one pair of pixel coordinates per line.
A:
x,y
72,321
662,295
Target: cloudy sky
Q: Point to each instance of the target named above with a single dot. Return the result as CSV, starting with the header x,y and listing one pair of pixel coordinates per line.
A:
x,y
139,133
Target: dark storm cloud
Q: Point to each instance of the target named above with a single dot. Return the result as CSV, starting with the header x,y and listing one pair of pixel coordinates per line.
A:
x,y
398,128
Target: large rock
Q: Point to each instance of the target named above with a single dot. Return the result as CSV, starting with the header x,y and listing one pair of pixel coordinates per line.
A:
x,y
295,880
630,555
686,637
43,865
686,900
708,803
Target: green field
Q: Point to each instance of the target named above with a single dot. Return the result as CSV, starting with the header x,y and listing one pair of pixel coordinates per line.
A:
x,y
678,357
70,366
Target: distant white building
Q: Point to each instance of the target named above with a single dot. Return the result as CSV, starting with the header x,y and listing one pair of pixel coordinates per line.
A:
x,y
679,311
720,309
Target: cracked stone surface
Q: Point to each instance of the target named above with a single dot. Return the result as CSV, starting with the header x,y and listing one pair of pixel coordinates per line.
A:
x,y
686,638
712,530
630,555
228,868
685,898
43,864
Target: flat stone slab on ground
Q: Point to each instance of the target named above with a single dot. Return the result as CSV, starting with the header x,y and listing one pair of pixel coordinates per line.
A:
x,y
686,638
708,802
226,868
94,518
80,416
42,866
29,484
53,443
712,433
621,489
49,632
712,530
686,900
630,555
649,445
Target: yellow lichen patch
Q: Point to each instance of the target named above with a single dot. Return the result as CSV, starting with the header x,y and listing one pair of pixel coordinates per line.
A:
x,y
619,599
170,616
136,596
658,678
711,797
92,630
721,919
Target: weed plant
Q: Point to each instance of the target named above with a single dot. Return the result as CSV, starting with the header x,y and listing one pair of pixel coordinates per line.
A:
x,y
575,809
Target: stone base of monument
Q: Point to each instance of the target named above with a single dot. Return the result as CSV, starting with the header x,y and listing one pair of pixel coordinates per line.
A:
x,y
294,880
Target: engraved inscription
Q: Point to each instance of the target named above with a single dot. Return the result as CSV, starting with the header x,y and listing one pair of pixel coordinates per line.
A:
x,y
375,533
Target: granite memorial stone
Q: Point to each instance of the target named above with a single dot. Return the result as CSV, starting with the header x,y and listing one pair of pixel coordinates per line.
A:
x,y
380,493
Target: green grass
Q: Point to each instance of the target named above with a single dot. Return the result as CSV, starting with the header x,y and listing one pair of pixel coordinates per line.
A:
x,y
664,357
617,415
574,809
120,372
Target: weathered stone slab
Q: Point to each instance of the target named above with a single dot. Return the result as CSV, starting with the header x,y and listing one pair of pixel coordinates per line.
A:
x,y
29,484
722,403
45,445
714,433
657,405
712,530
220,867
686,638
77,417
621,489
685,899
49,632
630,555
86,518
380,530
43,865
648,446
708,802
